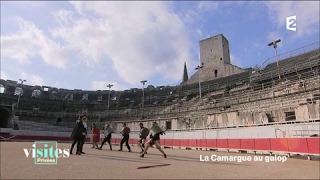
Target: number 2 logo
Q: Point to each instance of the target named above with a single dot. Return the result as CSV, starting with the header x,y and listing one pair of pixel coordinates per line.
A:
x,y
291,23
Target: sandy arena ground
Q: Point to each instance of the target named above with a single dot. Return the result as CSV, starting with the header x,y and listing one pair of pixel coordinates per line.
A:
x,y
184,164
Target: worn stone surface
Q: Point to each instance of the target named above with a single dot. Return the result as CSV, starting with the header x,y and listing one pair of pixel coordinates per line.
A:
x,y
185,164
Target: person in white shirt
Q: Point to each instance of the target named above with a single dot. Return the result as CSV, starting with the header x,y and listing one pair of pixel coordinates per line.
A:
x,y
107,133
86,132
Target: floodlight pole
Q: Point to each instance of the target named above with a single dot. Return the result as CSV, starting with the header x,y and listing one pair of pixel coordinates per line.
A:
x,y
198,69
274,44
143,83
109,86
21,82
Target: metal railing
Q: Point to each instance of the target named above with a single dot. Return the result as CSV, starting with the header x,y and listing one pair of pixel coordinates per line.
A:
x,y
292,53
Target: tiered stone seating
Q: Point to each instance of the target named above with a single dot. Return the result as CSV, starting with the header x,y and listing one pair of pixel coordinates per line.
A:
x,y
291,65
229,93
38,126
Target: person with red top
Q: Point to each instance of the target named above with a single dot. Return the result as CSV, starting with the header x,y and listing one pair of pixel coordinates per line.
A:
x,y
95,136
125,133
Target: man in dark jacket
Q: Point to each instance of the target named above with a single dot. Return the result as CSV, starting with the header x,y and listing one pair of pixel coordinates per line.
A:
x,y
77,135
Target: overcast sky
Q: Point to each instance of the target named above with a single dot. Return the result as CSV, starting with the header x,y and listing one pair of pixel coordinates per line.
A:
x,y
87,45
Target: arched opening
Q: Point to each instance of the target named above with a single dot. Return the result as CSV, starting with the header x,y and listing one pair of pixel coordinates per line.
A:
x,y
4,117
36,93
18,91
215,73
53,95
2,89
99,98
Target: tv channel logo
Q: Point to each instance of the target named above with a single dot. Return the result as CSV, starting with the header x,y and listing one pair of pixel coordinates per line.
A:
x,y
291,23
46,152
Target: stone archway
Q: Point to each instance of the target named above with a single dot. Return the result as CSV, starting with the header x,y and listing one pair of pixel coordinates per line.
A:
x,y
2,89
4,117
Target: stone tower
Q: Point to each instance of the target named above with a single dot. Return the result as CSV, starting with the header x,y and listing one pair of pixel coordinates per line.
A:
x,y
215,56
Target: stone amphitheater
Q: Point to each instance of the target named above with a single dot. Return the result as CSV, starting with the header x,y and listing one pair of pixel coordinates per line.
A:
x,y
234,97
272,110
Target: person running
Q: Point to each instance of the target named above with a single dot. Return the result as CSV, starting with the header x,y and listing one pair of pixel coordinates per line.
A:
x,y
107,133
155,139
125,133
143,137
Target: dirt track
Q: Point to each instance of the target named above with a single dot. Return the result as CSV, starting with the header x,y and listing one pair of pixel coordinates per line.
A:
x,y
184,164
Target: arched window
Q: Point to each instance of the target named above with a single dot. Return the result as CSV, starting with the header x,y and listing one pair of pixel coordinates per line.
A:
x,y
2,89
53,95
36,93
215,73
85,97
18,91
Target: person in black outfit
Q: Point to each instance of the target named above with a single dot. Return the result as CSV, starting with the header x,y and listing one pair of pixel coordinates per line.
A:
x,y
125,132
143,139
107,132
154,139
77,135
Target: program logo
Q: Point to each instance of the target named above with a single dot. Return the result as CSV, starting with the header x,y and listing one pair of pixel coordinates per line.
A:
x,y
46,152
291,23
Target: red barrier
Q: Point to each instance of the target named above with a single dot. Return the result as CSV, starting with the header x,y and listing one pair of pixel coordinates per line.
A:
x,y
211,143
313,145
135,141
168,142
193,143
184,142
162,141
247,144
203,143
298,145
222,143
175,142
279,144
198,143
234,144
294,145
262,144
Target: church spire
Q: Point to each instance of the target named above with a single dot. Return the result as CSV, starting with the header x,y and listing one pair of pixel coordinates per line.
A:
x,y
185,73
